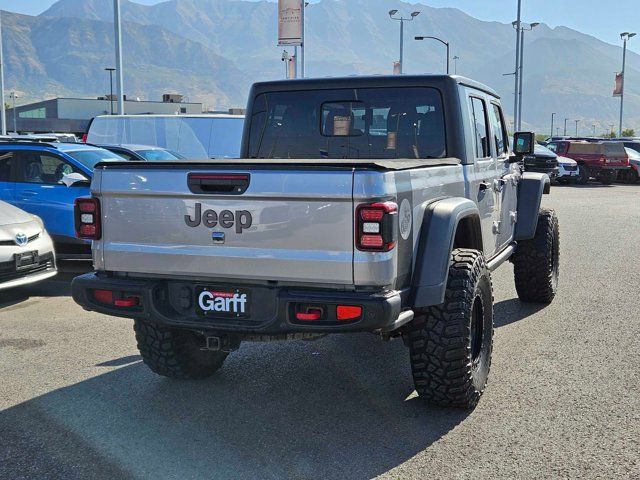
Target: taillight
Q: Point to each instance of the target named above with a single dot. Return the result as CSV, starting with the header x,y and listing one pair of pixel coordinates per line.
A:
x,y
84,138
376,229
87,218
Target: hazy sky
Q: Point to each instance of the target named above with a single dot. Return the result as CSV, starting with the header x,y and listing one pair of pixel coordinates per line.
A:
x,y
603,19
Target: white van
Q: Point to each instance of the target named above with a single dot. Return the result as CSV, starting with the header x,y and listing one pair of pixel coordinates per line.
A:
x,y
192,136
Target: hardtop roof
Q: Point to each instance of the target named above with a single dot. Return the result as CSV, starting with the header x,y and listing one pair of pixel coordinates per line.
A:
x,y
371,81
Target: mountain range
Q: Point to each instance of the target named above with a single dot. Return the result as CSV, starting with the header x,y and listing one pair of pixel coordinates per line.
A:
x,y
212,50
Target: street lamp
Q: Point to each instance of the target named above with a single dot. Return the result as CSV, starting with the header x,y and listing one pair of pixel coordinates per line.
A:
x,y
455,64
110,70
446,44
552,115
625,36
520,74
401,19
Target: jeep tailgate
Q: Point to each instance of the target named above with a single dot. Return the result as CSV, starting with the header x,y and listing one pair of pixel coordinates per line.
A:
x,y
251,223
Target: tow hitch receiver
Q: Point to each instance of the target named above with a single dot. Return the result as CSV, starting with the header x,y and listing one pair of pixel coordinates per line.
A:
x,y
225,343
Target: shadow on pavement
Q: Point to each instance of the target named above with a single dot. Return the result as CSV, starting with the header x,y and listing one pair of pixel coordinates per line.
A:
x,y
58,286
512,311
332,409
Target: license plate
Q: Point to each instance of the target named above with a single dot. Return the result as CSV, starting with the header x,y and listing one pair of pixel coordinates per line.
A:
x,y
25,260
222,302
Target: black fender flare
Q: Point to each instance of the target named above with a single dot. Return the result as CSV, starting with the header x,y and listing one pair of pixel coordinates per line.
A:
x,y
530,190
437,237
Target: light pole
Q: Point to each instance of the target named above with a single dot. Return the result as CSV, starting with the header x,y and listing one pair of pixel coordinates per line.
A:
x,y
13,96
302,46
118,42
516,25
446,44
577,121
110,70
625,36
521,75
565,127
552,115
594,129
392,15
455,64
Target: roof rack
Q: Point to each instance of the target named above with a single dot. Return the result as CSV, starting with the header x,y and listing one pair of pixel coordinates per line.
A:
x,y
25,141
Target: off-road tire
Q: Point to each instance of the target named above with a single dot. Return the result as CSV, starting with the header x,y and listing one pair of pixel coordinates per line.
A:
x,y
583,175
175,353
450,344
607,177
536,262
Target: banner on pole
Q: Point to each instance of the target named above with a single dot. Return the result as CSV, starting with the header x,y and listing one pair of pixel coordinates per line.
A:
x,y
617,92
290,22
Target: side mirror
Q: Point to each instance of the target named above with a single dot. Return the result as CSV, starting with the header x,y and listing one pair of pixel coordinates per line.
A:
x,y
75,180
524,143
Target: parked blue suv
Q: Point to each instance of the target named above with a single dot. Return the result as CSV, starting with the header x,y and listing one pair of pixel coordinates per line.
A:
x,y
38,177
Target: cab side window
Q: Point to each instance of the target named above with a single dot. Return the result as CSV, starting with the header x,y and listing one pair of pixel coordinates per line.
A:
x,y
480,128
500,137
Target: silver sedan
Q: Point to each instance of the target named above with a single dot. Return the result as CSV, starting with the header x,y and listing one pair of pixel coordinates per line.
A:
x,y
26,250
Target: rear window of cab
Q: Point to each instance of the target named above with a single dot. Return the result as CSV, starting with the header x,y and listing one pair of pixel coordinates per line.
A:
x,y
369,123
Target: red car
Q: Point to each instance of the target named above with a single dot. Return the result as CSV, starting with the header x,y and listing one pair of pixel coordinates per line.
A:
x,y
600,160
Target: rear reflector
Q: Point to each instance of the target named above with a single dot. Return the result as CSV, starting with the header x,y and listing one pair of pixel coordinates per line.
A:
x,y
345,313
103,296
126,302
311,316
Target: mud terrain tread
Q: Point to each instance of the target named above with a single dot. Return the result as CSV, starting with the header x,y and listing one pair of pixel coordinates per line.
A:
x,y
533,261
439,338
170,353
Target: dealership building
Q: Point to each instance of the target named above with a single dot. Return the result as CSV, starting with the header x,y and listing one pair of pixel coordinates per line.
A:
x,y
72,115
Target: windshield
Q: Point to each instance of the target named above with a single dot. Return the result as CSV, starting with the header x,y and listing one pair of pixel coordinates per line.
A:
x,y
371,123
542,150
90,158
158,155
632,154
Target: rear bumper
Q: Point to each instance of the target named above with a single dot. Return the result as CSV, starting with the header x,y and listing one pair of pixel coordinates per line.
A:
x,y
272,309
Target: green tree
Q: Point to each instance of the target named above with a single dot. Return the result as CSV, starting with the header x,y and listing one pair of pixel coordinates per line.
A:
x,y
629,132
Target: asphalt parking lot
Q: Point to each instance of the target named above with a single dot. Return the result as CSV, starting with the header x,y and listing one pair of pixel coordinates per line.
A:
x,y
562,402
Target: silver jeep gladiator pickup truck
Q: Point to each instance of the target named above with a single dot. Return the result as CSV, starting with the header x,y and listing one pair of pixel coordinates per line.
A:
x,y
363,204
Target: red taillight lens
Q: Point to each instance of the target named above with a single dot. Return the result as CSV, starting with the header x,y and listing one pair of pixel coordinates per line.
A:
x,y
310,316
345,313
109,298
376,227
84,138
87,218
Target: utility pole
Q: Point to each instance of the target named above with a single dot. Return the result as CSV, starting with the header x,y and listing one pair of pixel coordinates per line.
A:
x,y
594,129
118,41
15,123
626,36
565,127
522,30
517,70
577,127
110,70
302,45
552,115
3,123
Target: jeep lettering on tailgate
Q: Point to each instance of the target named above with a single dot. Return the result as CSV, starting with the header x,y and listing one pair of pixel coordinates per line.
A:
x,y
242,219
